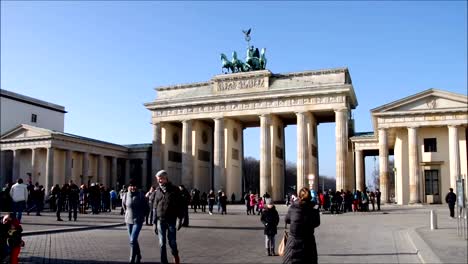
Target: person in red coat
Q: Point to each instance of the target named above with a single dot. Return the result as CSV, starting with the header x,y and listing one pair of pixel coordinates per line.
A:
x,y
14,241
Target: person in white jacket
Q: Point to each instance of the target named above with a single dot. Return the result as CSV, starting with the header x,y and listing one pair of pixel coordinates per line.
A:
x,y
19,195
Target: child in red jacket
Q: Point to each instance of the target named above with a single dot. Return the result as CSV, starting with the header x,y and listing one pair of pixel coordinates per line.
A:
x,y
13,237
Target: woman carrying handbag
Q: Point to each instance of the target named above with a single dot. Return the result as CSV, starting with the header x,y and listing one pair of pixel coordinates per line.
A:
x,y
303,217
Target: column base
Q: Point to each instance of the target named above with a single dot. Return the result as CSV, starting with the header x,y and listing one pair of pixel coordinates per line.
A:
x,y
415,203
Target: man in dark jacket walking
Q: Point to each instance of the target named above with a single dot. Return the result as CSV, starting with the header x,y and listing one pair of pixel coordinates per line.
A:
x,y
450,199
168,208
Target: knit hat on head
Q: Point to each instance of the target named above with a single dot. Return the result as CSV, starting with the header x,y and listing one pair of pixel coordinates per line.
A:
x,y
161,173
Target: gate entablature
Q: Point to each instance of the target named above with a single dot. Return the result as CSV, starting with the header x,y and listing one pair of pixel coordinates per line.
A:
x,y
255,93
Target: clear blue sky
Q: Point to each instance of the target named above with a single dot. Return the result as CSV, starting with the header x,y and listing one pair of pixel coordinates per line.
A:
x,y
101,60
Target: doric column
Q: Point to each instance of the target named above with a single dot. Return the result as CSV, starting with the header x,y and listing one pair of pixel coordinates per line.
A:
x,y
113,177
360,179
127,171
156,150
413,166
68,165
341,139
265,154
454,155
302,160
34,176
311,181
144,174
187,157
85,168
101,176
218,155
383,165
16,164
49,169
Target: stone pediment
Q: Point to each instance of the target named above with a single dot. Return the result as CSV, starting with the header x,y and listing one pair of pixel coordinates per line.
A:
x,y
429,100
25,131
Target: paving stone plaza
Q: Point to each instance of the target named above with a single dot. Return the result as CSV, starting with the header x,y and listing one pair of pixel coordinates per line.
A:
x,y
396,234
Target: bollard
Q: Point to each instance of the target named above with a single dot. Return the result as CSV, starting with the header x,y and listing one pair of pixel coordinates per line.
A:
x,y
433,220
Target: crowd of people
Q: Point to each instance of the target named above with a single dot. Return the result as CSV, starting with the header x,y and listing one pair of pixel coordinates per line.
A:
x,y
166,207
347,201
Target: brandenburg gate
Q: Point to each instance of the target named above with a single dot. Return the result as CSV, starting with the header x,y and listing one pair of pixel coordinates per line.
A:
x,y
198,127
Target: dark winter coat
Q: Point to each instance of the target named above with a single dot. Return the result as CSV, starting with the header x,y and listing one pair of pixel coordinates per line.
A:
x,y
451,198
270,220
303,219
169,205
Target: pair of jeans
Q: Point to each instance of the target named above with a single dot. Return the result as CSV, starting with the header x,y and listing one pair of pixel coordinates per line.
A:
x,y
133,233
18,208
72,208
169,229
270,241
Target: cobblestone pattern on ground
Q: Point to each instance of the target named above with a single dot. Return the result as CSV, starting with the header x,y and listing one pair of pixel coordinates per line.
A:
x,y
375,237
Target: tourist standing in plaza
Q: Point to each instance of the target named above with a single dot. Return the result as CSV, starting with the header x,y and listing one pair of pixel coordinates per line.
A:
x,y
135,207
59,201
450,199
223,200
270,220
169,209
150,197
378,194
19,195
211,201
73,200
203,201
121,195
247,202
185,203
253,202
303,219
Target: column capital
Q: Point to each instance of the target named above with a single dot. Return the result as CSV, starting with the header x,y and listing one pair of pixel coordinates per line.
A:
x,y
344,109
265,117
218,118
412,127
453,126
300,113
185,121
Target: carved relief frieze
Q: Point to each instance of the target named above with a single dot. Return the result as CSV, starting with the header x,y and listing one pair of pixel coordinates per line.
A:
x,y
264,104
426,119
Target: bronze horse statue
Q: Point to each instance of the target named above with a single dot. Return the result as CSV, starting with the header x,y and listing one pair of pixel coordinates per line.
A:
x,y
226,64
237,64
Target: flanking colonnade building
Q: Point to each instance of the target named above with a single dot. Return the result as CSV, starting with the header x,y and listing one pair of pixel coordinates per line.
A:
x,y
35,147
198,138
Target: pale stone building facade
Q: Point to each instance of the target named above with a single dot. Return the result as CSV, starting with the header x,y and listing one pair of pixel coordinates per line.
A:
x,y
199,124
198,139
427,134
18,109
